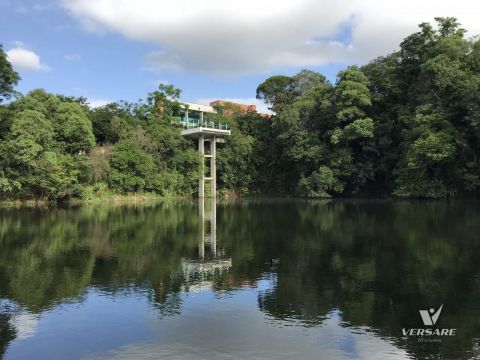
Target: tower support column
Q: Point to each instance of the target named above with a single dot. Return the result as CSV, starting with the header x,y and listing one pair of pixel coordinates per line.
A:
x,y
201,182
213,166
213,227
201,245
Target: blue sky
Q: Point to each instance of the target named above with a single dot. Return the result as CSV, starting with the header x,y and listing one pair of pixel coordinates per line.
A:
x,y
109,50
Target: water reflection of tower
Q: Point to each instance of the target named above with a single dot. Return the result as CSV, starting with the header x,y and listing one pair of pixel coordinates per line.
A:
x,y
199,273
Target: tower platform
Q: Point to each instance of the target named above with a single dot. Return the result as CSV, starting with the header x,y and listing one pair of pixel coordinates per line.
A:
x,y
206,132
196,126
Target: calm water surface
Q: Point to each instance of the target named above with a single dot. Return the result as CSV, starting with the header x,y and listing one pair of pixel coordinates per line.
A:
x,y
273,279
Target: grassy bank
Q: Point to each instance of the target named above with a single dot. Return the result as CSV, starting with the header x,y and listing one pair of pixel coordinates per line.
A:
x,y
97,199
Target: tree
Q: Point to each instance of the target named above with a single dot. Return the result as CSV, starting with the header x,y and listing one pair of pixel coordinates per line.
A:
x,y
111,122
234,163
436,145
31,166
73,129
8,77
38,100
354,132
352,97
322,183
130,167
164,101
301,149
279,90
275,91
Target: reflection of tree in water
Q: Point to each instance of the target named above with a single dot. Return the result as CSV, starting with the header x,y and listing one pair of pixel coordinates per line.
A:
x,y
50,257
375,262
53,256
169,304
379,263
7,332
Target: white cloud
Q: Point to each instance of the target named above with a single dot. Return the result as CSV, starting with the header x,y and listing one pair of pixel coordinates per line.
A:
x,y
261,106
259,35
72,57
94,103
25,325
25,59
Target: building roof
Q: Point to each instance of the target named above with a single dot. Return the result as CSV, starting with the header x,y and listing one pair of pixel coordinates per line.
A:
x,y
236,106
199,107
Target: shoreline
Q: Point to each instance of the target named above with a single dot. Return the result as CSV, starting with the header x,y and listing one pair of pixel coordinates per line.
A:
x,y
138,199
110,199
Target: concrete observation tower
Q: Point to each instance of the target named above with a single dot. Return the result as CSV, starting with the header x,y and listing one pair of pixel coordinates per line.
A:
x,y
195,125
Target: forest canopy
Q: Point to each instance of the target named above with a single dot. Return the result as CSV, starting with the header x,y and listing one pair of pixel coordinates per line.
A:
x,y
405,125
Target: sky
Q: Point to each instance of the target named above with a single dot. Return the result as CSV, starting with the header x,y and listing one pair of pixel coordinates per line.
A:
x,y
110,50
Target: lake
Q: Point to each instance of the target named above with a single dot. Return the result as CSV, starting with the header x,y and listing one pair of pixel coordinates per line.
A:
x,y
247,279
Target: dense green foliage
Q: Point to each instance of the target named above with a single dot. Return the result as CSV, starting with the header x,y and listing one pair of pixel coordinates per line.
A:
x,y
406,124
54,147
8,77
